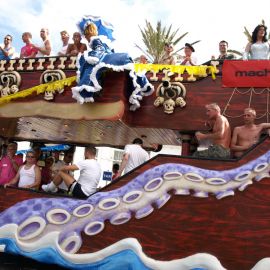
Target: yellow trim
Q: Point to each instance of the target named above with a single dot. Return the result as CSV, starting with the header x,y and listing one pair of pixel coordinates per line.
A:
x,y
200,71
39,89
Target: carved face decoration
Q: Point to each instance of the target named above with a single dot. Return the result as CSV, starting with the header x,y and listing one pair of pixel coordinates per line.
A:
x,y
169,105
48,95
5,91
14,89
52,76
170,95
180,102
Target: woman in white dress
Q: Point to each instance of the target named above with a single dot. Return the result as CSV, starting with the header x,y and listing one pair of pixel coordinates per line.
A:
x,y
259,47
28,175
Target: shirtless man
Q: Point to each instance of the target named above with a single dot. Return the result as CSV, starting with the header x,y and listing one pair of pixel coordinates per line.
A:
x,y
220,135
77,47
247,135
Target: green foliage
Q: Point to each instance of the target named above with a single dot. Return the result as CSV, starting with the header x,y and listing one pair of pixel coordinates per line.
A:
x,y
235,52
154,39
247,34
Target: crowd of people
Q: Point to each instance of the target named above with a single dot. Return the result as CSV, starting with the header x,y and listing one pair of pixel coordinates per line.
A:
x,y
55,175
257,48
45,48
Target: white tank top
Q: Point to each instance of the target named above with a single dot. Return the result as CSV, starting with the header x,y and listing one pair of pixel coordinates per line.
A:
x,y
42,45
27,176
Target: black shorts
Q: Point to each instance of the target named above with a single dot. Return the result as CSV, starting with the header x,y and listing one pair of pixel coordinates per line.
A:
x,y
76,190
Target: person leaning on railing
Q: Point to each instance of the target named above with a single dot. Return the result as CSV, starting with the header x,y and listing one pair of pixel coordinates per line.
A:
x,y
6,50
77,47
45,48
28,50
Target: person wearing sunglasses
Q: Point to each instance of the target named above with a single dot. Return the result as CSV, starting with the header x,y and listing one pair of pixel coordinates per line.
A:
x,y
28,175
6,50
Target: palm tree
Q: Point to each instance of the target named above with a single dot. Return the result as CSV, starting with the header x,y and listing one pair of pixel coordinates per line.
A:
x,y
155,39
249,38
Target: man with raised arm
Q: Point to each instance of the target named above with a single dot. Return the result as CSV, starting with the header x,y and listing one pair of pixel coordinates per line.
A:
x,y
219,135
247,135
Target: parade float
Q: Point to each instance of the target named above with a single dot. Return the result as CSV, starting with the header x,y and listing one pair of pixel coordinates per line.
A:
x,y
172,212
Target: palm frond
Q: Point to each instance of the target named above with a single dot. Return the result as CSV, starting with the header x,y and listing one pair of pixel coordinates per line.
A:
x,y
178,39
247,34
235,52
144,52
192,43
154,39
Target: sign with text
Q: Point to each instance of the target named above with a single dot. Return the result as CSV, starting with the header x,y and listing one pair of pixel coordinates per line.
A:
x,y
107,176
250,73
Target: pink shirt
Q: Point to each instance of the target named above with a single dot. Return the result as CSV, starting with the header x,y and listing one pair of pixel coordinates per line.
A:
x,y
7,171
27,50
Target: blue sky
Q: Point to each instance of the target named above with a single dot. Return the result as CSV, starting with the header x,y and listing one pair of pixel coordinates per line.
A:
x,y
209,21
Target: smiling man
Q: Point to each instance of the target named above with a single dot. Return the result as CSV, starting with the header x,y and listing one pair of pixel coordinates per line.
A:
x,y
223,50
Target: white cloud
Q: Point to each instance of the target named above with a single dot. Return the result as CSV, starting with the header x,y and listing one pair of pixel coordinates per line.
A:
x,y
209,21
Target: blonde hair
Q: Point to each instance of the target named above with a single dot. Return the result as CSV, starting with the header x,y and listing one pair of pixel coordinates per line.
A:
x,y
46,30
64,32
91,30
251,110
213,106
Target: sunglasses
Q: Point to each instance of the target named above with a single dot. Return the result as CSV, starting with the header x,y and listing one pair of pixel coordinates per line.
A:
x,y
7,38
30,156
